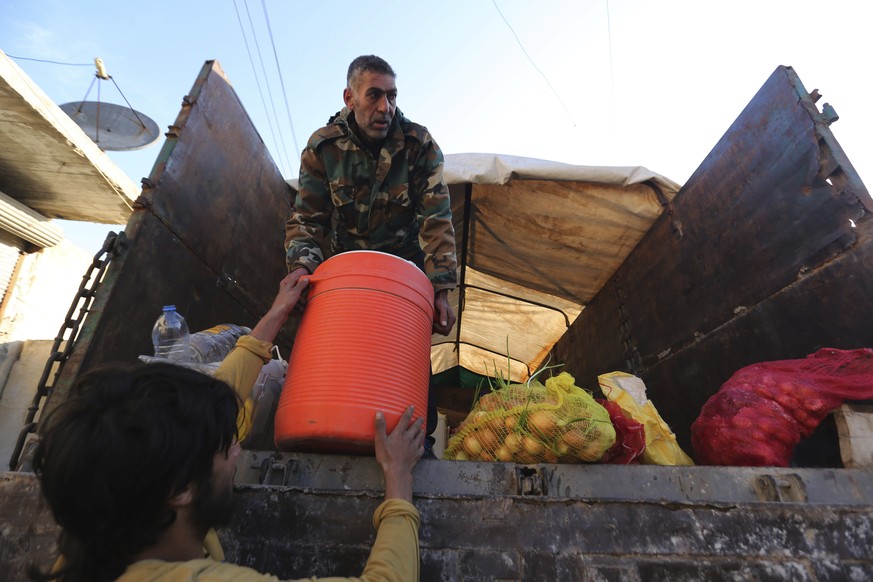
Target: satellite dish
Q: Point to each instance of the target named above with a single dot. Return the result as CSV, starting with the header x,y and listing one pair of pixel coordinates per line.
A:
x,y
113,127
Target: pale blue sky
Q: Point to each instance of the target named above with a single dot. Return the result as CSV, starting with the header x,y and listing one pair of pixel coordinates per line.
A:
x,y
624,82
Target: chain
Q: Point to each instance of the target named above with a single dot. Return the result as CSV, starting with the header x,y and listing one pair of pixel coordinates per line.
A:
x,y
68,334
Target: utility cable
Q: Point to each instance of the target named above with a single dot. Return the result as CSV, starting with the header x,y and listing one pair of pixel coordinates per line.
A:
x,y
281,83
257,79
51,62
521,46
269,90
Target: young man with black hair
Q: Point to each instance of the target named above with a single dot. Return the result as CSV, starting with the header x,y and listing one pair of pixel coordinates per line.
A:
x,y
138,463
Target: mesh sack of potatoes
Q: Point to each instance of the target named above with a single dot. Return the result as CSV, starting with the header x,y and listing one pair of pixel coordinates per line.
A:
x,y
534,423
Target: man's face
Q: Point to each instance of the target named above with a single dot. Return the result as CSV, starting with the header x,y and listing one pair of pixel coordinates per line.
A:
x,y
214,505
373,99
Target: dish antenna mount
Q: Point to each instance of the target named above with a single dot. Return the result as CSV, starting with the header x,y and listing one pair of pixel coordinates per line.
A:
x,y
111,127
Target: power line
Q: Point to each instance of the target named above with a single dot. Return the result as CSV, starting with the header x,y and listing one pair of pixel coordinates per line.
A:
x,y
283,150
257,78
281,82
50,62
521,46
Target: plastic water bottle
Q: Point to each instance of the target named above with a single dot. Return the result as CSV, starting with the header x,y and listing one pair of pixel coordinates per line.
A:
x,y
213,344
170,335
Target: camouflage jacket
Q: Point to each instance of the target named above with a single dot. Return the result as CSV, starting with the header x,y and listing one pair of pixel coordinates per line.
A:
x,y
348,200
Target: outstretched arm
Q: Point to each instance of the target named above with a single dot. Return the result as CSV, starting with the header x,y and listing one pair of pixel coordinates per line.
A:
x,y
290,289
398,453
242,366
395,553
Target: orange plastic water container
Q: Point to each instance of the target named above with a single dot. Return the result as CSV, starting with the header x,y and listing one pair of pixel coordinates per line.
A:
x,y
363,345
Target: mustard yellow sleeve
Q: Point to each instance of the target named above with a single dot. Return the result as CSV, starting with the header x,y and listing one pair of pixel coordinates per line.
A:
x,y
395,553
240,369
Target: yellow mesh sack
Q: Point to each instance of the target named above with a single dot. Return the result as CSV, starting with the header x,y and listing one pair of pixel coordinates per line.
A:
x,y
628,391
534,423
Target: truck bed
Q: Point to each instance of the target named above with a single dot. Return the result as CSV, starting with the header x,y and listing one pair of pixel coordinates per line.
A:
x,y
764,254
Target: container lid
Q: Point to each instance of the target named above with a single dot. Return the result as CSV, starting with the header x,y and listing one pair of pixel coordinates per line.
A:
x,y
376,269
368,251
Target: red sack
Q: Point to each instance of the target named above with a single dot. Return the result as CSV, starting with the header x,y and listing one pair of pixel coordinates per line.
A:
x,y
630,437
762,412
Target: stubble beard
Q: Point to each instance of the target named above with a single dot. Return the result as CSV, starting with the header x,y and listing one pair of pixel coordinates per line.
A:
x,y
214,506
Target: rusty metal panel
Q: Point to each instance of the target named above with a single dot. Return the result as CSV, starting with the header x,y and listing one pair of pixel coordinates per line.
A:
x,y
206,235
752,264
826,307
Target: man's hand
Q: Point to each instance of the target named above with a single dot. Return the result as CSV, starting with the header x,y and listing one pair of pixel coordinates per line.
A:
x,y
443,316
296,275
398,453
291,287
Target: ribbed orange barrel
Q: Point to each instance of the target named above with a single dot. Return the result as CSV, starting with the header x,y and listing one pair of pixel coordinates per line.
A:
x,y
363,345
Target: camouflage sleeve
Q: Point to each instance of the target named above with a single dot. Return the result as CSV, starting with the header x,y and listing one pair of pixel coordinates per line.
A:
x,y
308,225
437,234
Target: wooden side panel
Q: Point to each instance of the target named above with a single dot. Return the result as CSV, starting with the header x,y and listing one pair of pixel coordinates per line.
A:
x,y
207,234
766,255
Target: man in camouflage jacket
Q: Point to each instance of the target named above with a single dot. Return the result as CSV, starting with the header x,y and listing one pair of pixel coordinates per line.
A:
x,y
373,180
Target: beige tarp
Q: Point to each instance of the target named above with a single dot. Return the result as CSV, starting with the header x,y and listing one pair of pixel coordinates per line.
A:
x,y
500,169
542,239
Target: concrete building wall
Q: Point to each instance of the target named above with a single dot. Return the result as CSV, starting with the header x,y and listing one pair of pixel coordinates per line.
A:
x,y
39,300
42,293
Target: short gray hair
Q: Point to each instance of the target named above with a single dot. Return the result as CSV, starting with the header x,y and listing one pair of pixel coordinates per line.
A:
x,y
368,63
